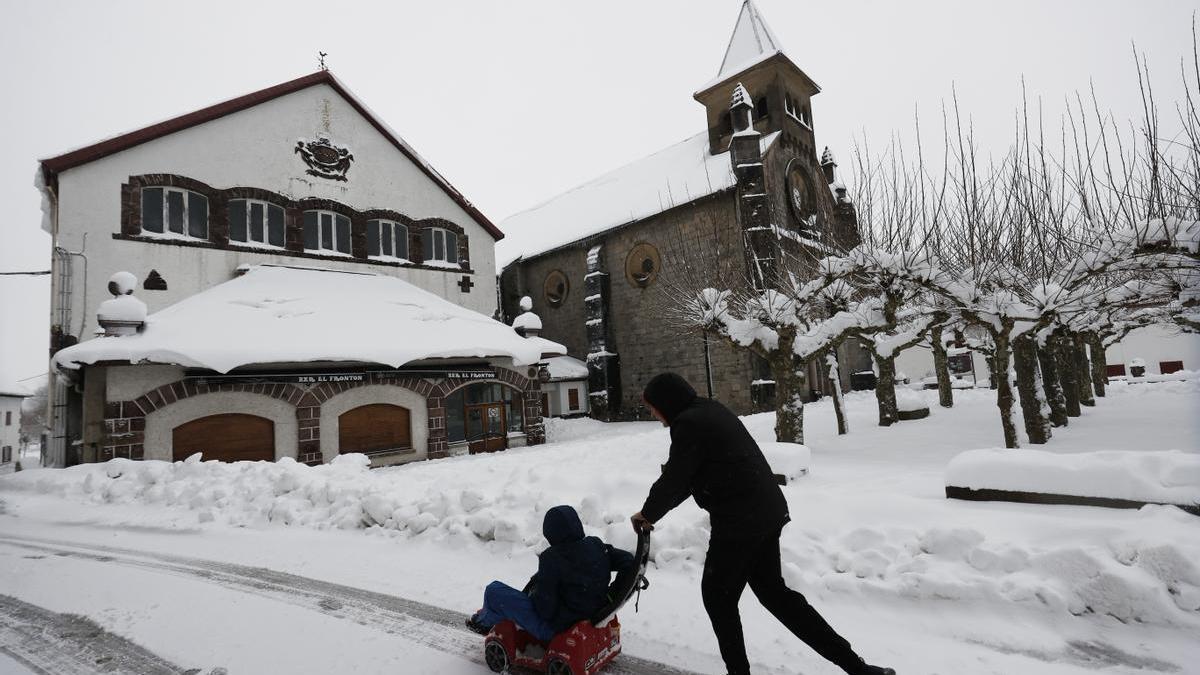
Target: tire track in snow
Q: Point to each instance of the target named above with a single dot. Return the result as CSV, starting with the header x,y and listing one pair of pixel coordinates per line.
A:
x,y
429,625
49,643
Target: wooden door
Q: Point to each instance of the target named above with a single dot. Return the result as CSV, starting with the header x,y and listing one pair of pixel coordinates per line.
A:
x,y
228,437
375,428
487,427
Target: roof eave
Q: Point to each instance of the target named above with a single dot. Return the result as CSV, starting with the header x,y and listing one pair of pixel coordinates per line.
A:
x,y
726,81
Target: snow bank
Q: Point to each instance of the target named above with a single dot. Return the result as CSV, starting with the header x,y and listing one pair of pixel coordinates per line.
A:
x,y
789,460
908,400
1159,477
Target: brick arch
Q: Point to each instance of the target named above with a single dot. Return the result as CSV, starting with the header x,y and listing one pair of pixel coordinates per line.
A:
x,y
125,421
530,388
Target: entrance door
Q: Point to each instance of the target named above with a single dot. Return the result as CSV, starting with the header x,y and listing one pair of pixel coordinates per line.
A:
x,y
229,438
487,429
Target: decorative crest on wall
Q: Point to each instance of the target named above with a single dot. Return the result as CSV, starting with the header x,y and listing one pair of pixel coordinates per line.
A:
x,y
324,159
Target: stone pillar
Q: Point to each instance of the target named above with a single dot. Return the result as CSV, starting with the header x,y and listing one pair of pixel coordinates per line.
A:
x,y
438,445
753,208
308,429
604,365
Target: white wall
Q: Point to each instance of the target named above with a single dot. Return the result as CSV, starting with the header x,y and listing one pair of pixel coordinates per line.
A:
x,y
1155,344
559,398
255,148
10,434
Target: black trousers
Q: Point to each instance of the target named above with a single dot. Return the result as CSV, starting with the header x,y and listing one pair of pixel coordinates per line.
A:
x,y
733,562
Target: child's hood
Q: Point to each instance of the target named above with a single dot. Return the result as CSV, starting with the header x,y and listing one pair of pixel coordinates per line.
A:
x,y
562,525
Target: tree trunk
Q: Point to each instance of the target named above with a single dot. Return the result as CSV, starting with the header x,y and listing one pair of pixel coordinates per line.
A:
x,y
1064,353
993,372
941,368
788,372
1004,388
1099,362
1033,404
835,386
1048,361
1083,374
885,390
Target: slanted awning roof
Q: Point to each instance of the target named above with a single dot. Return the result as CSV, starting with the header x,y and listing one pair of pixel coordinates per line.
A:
x,y
278,315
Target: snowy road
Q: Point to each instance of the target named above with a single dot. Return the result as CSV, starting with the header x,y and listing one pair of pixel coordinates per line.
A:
x,y
432,627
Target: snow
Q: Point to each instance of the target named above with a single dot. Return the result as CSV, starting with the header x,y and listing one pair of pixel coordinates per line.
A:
x,y
676,175
527,321
287,315
981,587
566,368
1162,477
122,308
908,400
752,41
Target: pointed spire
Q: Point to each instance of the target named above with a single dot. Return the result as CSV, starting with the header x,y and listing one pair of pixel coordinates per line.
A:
x,y
752,41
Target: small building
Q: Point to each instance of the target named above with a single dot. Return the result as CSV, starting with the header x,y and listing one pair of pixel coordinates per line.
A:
x,y
298,174
564,393
304,363
10,424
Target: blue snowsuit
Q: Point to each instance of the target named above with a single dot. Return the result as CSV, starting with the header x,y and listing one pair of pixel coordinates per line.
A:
x,y
571,582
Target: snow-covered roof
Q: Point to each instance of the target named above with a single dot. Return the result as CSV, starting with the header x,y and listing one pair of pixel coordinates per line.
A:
x,y
275,314
752,42
566,368
676,175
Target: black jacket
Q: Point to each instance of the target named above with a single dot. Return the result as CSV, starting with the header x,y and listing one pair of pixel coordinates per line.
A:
x,y
573,574
714,460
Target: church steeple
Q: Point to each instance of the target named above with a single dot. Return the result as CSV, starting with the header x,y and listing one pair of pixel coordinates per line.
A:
x,y
778,90
752,41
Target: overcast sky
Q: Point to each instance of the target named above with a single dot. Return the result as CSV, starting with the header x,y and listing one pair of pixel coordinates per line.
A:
x,y
516,101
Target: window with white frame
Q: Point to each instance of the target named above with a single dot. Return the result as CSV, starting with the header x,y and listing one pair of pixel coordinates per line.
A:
x,y
326,231
172,210
387,239
440,245
256,222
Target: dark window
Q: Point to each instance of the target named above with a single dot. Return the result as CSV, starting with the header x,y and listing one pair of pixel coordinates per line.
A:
x,y
1114,370
8,418
573,398
760,108
237,220
326,231
6,455
175,211
373,237
385,238
255,221
168,209
1168,367
456,426
441,245
197,214
152,209
311,240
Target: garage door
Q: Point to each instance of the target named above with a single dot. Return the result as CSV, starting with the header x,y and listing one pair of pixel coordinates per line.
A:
x,y
379,427
229,438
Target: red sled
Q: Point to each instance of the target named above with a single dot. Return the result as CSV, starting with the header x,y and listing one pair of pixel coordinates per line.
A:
x,y
582,649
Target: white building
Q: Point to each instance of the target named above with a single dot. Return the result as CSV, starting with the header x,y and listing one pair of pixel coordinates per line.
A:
x,y
301,175
10,425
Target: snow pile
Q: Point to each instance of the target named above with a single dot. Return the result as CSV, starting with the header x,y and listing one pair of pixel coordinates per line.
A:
x,y
1159,477
790,460
284,314
908,400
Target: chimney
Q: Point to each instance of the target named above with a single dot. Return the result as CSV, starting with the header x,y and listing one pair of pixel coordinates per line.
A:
x,y
527,324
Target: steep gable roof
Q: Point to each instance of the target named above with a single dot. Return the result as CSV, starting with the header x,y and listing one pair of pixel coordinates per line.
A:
x,y
52,166
752,41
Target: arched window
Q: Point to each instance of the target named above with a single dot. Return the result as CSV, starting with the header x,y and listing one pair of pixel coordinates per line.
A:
x,y
387,239
326,231
440,245
255,222
172,210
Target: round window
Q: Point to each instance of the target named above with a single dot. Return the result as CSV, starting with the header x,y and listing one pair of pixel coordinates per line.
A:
x,y
642,265
556,288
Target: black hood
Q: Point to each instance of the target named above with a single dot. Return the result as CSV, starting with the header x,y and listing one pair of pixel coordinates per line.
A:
x,y
670,394
562,525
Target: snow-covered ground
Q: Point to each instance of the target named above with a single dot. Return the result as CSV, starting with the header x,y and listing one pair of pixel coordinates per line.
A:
x,y
171,556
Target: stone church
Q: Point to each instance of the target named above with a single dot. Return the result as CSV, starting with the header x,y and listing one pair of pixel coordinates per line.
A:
x,y
604,262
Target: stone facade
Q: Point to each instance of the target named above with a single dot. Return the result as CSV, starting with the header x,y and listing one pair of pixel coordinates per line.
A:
x,y
123,433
